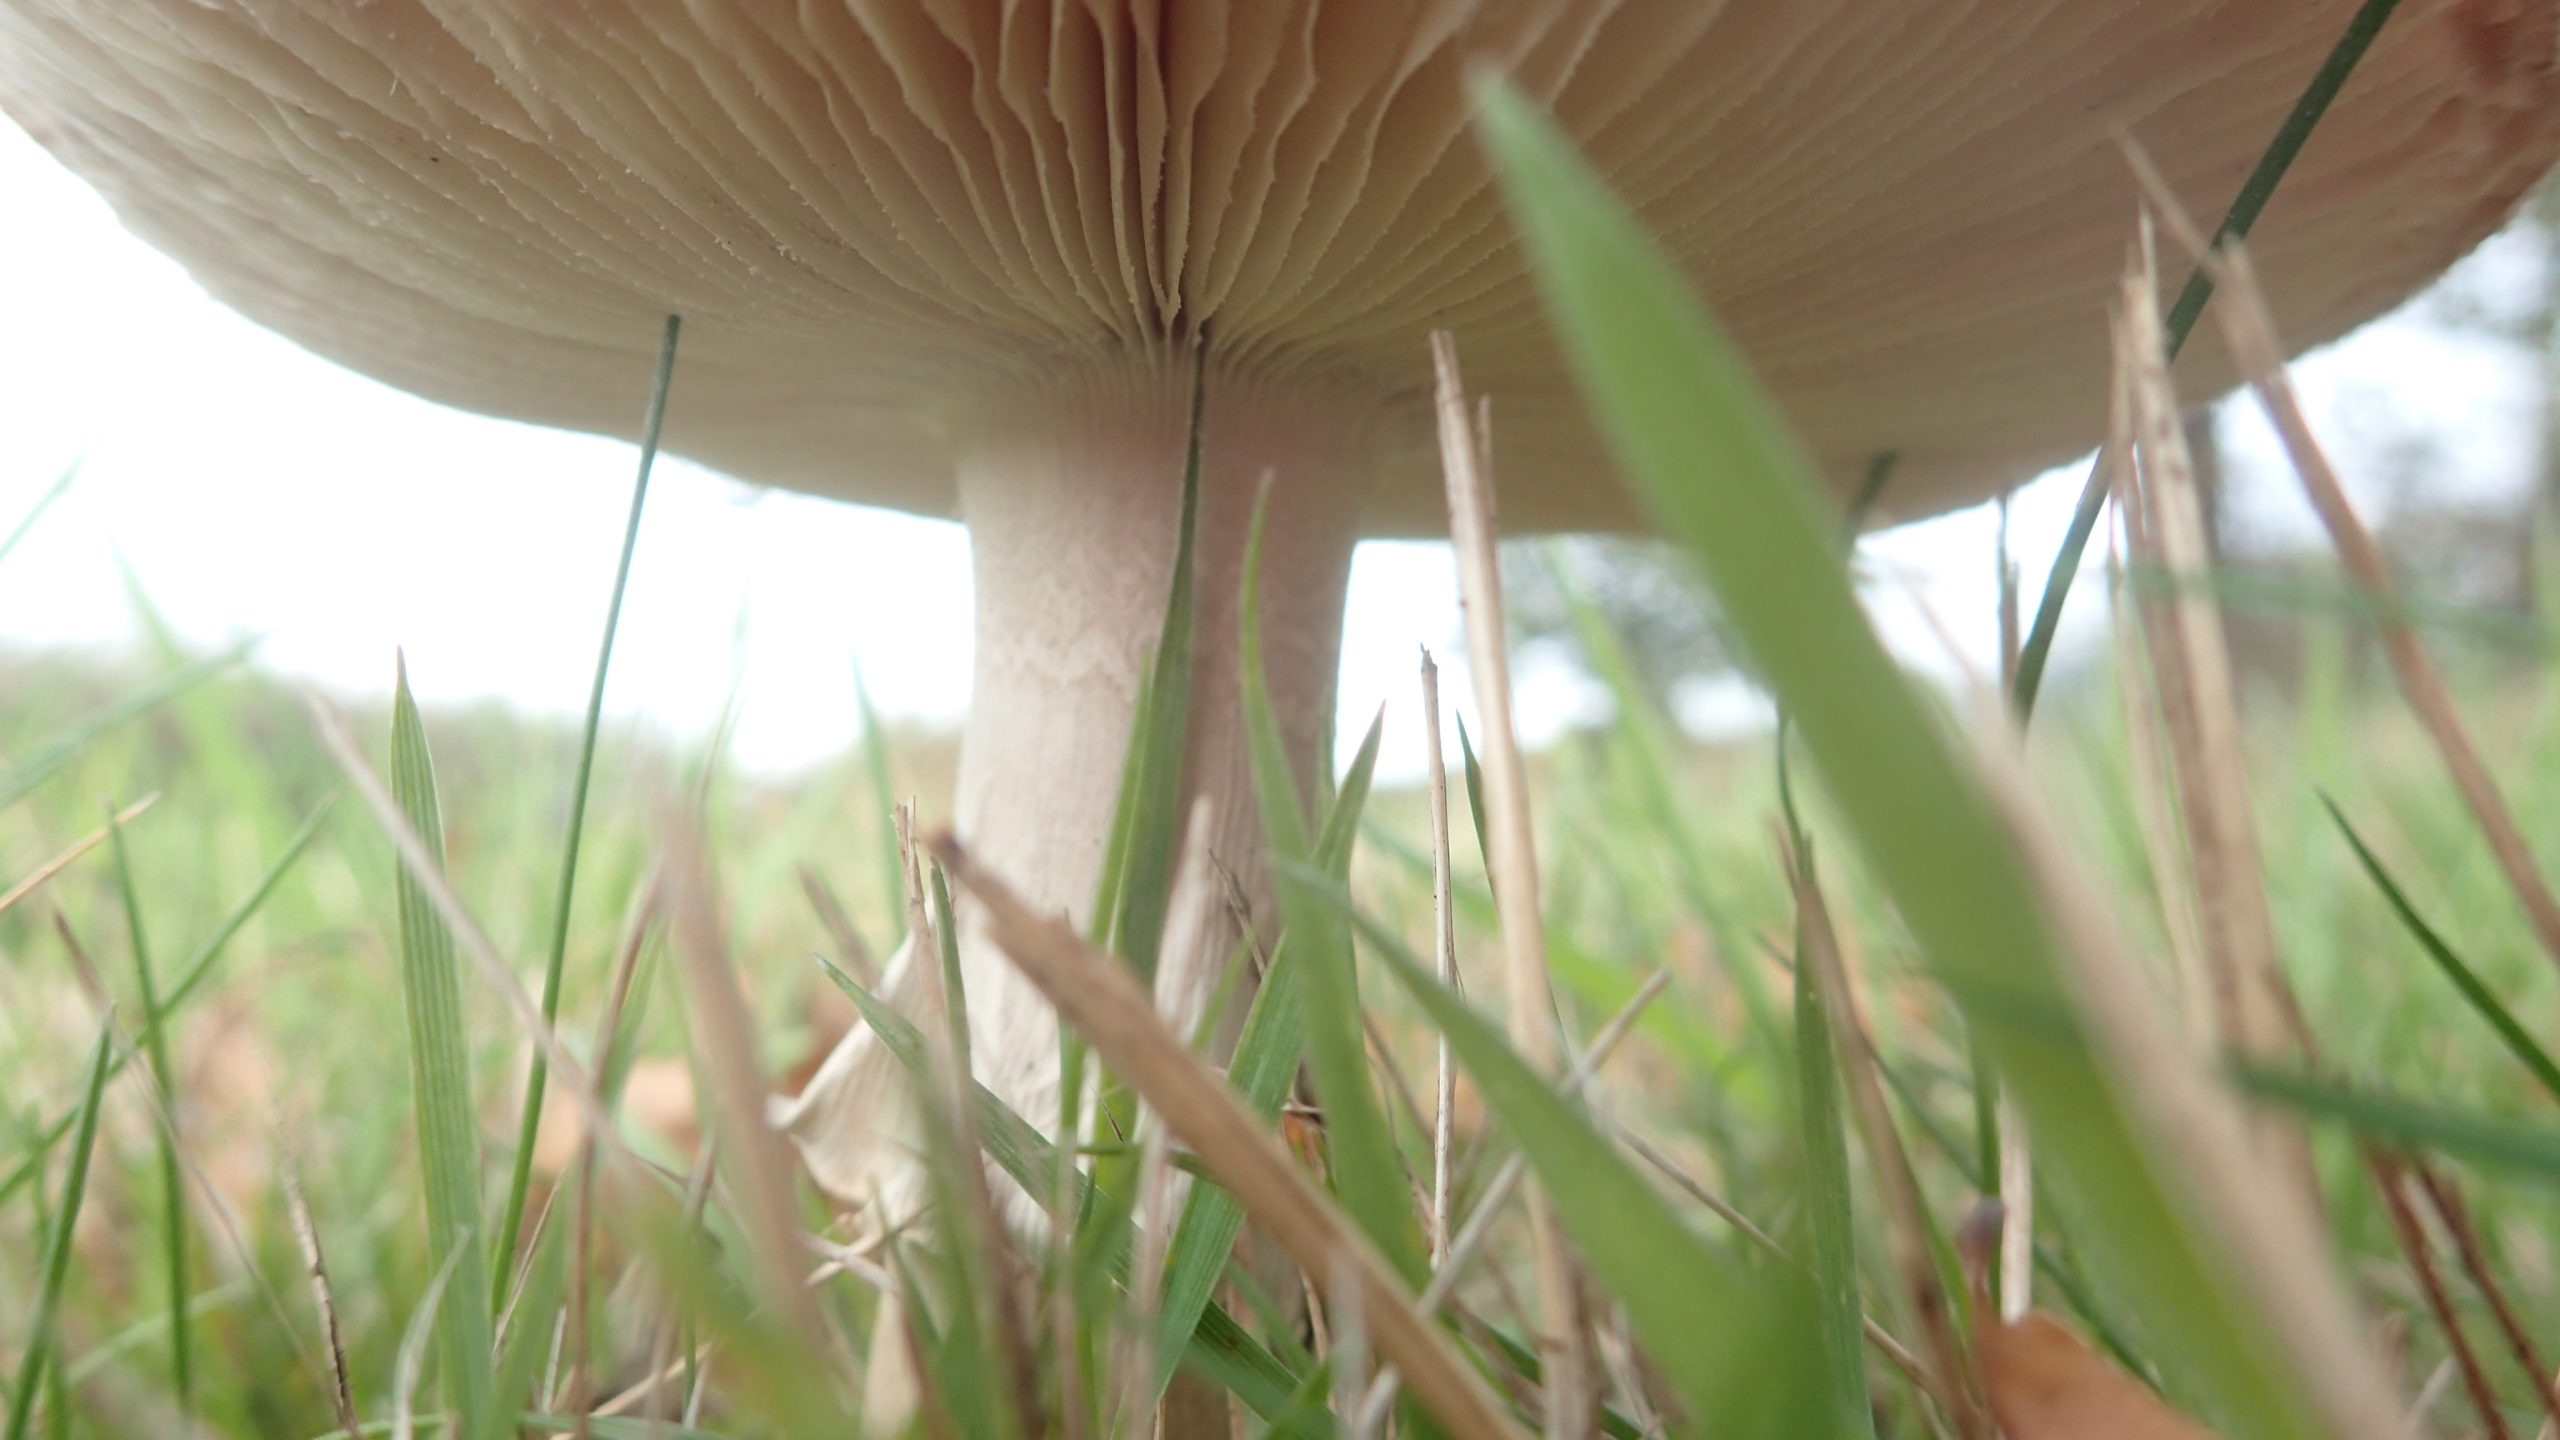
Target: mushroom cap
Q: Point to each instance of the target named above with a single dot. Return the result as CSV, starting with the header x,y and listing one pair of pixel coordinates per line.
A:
x,y
883,220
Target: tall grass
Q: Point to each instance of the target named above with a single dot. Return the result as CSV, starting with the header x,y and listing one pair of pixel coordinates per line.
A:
x,y
1739,1075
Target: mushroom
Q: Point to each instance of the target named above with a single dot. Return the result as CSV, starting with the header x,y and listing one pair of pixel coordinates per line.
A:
x,y
960,257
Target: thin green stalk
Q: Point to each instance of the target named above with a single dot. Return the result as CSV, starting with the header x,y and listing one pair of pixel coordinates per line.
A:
x,y
1825,1139
189,980
2475,991
173,1193
520,1173
36,511
57,1242
884,804
2246,206
51,755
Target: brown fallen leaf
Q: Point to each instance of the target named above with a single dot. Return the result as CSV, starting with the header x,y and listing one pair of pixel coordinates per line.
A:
x,y
2045,1383
2041,1380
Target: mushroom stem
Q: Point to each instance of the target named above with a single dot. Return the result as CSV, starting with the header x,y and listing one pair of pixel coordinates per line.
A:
x,y
1072,495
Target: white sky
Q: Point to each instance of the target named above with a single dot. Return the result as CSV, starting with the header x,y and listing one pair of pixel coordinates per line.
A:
x,y
250,488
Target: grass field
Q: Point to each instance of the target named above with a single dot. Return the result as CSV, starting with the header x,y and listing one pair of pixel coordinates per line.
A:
x,y
1881,963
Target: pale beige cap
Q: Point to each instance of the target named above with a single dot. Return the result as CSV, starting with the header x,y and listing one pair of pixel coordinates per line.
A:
x,y
882,219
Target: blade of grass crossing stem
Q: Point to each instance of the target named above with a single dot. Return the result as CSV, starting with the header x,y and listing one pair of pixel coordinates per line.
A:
x,y
57,1242
2475,991
1731,1344
36,511
440,1083
520,1168
1825,1141
1368,1171
984,1351
51,755
1264,1067
1219,1347
1702,446
1136,890
1156,745
2246,206
173,1190
190,979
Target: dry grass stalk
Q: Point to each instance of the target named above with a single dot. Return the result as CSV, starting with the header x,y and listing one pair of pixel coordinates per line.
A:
x,y
759,1173
2247,327
1444,949
2391,1177
59,863
2248,330
2266,1236
2445,1199
1470,1239
1466,462
1102,1000
1948,1380
1879,1339
306,1237
2016,1182
2147,757
2191,664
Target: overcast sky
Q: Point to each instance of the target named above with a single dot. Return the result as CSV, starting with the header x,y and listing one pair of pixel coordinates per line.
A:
x,y
250,488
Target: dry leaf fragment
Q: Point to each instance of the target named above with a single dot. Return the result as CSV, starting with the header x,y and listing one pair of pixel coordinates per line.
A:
x,y
2045,1383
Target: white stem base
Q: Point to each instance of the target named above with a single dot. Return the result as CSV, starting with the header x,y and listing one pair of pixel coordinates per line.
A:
x,y
1073,500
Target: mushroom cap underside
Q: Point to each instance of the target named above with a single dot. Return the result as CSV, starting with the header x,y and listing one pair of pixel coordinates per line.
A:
x,y
886,221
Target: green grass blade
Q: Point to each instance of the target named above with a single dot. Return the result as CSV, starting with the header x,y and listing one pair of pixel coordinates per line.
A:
x,y
1204,1236
520,1169
1701,444
2246,206
1475,799
1368,1171
1825,1142
1341,829
51,755
35,512
57,1242
440,1080
1733,1345
2412,1124
409,1361
530,1330
190,979
173,1189
884,805
1219,1347
1266,1063
2475,991
1156,743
